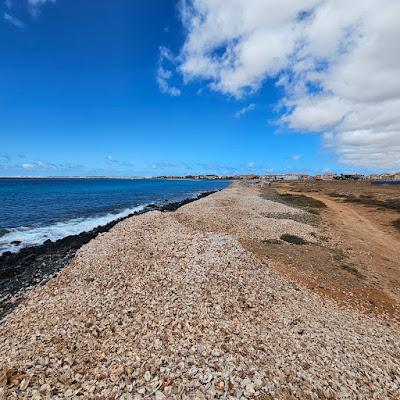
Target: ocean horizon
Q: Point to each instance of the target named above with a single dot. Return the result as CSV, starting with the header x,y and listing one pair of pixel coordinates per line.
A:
x,y
33,210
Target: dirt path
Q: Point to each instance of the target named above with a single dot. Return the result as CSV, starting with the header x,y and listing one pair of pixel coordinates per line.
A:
x,y
367,245
363,229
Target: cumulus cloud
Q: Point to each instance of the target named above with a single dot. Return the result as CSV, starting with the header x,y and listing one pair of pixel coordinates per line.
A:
x,y
27,166
337,61
40,2
119,163
245,110
164,74
13,20
42,166
167,165
35,5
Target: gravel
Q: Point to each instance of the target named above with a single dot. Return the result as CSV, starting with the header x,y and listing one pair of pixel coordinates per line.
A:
x,y
241,212
171,306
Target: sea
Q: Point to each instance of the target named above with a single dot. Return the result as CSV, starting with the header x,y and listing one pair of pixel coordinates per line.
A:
x,y
33,210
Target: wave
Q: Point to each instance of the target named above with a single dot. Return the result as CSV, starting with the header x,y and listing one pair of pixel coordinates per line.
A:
x,y
33,236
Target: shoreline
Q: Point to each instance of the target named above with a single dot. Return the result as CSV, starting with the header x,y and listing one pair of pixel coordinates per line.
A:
x,y
192,304
35,265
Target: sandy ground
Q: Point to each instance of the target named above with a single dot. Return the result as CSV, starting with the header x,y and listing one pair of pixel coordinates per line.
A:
x,y
183,305
358,257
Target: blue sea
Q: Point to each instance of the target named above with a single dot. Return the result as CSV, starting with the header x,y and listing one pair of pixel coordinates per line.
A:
x,y
35,210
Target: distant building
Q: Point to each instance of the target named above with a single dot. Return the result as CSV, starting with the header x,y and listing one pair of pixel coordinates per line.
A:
x,y
328,176
384,177
286,177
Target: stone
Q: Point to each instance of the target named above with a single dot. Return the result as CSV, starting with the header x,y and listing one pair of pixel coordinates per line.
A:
x,y
147,376
159,395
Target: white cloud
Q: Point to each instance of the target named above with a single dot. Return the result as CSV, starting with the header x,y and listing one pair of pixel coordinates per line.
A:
x,y
164,74
296,157
33,7
119,163
36,4
245,110
40,165
27,166
13,20
40,2
338,62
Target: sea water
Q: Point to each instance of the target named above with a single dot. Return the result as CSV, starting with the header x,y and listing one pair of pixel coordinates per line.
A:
x,y
33,210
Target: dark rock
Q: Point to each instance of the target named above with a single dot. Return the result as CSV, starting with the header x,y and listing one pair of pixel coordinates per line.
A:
x,y
19,271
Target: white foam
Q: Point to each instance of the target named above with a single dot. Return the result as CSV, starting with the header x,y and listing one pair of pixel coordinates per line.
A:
x,y
38,235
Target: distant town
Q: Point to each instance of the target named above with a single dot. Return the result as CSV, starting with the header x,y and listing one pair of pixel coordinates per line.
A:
x,y
395,177
384,177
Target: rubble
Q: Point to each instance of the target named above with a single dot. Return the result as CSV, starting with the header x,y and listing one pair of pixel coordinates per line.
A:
x,y
169,305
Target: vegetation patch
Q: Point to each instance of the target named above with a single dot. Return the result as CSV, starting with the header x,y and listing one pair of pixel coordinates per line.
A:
x,y
389,204
337,194
396,223
300,200
320,237
352,270
271,241
338,254
300,217
315,211
293,239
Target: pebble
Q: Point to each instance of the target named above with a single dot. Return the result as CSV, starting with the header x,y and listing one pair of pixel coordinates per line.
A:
x,y
160,396
171,305
147,376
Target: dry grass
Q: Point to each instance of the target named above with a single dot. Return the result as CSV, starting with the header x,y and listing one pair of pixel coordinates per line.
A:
x,y
302,201
352,270
369,200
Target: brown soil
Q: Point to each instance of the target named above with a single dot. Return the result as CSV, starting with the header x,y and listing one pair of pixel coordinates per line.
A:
x,y
356,259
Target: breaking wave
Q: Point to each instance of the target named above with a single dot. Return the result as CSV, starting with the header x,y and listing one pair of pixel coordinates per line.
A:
x,y
33,236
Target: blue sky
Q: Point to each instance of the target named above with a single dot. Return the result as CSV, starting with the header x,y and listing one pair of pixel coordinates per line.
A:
x,y
81,95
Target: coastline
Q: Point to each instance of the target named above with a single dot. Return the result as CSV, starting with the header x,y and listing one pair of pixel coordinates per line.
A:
x,y
35,265
182,305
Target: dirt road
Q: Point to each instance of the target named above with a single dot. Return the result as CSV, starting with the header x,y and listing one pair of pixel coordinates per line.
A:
x,y
365,251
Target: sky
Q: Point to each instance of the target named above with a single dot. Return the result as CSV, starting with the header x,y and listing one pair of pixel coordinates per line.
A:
x,y
161,87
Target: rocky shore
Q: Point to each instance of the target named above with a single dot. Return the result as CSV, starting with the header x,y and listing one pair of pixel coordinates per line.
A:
x,y
174,305
37,264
